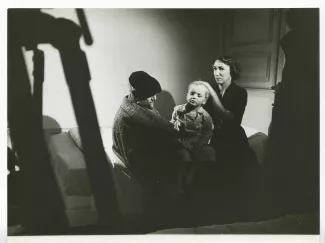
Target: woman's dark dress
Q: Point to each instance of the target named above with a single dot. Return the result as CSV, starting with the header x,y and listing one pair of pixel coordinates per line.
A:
x,y
229,138
223,185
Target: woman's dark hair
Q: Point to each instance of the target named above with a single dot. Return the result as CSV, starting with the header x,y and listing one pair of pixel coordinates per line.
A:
x,y
232,63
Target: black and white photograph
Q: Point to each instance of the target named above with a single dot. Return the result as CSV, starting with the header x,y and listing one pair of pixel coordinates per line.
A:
x,y
163,121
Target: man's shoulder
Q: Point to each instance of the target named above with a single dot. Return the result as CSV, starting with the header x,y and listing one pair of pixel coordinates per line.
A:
x,y
123,115
128,107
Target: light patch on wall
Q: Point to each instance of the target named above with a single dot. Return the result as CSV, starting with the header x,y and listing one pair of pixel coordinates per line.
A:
x,y
135,40
170,45
258,111
125,40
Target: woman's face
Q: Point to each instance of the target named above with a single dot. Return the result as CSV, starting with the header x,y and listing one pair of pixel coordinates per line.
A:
x,y
221,72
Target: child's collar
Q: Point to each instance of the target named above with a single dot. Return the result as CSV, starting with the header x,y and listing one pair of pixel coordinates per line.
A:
x,y
198,109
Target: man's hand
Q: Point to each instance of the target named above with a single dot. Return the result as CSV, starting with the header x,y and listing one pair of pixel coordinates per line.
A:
x,y
177,125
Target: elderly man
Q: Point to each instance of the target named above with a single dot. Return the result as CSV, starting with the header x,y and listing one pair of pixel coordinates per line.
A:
x,y
142,139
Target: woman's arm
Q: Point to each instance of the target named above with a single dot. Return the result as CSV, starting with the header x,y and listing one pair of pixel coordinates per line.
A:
x,y
224,114
238,105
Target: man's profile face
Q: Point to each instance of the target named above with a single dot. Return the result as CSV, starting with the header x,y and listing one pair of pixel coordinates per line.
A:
x,y
151,100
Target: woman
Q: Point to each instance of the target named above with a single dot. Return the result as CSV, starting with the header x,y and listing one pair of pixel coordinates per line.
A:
x,y
235,173
227,106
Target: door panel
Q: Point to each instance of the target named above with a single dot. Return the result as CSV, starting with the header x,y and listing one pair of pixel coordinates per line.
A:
x,y
245,26
252,37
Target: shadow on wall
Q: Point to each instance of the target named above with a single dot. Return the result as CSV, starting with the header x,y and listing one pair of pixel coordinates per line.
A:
x,y
43,210
165,104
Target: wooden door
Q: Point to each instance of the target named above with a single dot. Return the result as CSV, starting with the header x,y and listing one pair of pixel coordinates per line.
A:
x,y
252,36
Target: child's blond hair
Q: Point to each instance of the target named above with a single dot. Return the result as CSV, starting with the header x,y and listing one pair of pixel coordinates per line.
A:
x,y
197,82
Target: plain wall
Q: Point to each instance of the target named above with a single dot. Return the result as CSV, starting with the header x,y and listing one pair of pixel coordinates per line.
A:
x,y
174,46
258,113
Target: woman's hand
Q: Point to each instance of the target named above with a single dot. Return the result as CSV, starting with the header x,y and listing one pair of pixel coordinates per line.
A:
x,y
208,86
219,108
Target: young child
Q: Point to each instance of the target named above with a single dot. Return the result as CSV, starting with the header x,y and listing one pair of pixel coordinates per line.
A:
x,y
192,148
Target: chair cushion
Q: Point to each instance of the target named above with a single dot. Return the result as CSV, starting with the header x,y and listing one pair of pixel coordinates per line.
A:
x,y
69,165
106,134
258,142
68,159
249,130
131,197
